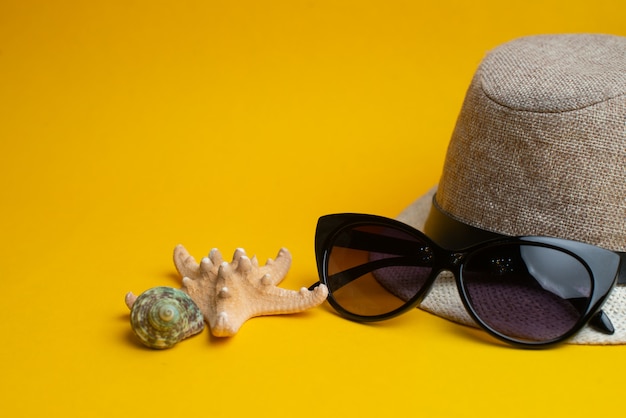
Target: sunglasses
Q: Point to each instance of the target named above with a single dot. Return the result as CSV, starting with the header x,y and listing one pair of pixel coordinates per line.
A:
x,y
527,291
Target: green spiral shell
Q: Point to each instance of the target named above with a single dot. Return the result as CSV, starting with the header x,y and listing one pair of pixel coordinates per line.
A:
x,y
163,316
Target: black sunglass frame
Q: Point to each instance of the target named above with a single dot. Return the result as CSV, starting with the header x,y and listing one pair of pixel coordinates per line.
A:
x,y
602,265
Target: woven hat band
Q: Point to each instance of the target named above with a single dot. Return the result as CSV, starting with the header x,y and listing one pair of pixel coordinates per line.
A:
x,y
548,159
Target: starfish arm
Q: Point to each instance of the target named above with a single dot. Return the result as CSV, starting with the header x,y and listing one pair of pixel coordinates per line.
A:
x,y
277,268
276,300
185,264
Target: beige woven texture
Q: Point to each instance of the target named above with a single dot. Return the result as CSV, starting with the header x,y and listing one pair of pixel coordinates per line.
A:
x,y
539,148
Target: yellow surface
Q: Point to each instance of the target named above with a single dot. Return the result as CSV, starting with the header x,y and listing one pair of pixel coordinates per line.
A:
x,y
127,127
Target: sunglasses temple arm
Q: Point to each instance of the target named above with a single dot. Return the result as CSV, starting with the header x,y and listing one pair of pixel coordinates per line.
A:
x,y
338,280
314,285
601,322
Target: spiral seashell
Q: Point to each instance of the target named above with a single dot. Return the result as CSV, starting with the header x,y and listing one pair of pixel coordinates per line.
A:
x,y
163,316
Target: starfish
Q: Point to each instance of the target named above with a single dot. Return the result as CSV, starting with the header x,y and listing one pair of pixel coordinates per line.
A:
x,y
228,294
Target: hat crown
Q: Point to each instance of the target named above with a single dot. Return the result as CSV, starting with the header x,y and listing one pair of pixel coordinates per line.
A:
x,y
555,73
540,144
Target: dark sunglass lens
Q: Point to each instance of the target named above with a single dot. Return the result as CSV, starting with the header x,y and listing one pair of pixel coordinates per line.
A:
x,y
373,270
528,293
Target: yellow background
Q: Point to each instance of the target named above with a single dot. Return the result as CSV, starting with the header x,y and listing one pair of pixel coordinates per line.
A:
x,y
127,127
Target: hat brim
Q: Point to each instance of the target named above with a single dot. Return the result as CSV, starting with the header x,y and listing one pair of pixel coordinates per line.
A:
x,y
443,298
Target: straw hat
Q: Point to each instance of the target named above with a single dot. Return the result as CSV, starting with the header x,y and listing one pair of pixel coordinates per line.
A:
x,y
539,148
